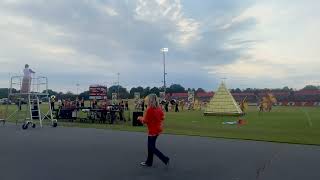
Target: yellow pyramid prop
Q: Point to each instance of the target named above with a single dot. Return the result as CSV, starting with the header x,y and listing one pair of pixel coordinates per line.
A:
x,y
223,104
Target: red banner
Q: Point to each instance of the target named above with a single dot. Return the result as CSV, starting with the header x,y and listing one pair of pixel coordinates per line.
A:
x,y
98,92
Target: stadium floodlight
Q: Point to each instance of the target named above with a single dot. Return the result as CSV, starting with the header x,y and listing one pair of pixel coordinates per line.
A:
x,y
77,88
164,50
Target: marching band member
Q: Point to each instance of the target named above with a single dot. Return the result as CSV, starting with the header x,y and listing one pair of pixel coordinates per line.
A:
x,y
52,101
82,102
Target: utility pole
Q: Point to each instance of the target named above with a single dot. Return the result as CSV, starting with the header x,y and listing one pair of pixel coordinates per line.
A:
x,y
77,88
118,85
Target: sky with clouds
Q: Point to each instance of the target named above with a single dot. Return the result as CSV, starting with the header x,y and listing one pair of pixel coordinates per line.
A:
x,y
262,43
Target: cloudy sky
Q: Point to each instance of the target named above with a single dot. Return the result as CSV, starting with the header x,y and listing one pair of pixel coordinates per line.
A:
x,y
262,43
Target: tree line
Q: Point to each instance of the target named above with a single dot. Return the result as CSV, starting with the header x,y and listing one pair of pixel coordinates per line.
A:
x,y
124,93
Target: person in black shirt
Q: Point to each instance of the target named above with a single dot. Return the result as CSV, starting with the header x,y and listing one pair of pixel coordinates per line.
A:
x,y
77,103
142,105
52,101
63,103
166,106
82,102
94,104
127,106
177,106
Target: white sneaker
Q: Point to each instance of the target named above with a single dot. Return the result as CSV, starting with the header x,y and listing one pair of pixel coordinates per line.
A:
x,y
144,164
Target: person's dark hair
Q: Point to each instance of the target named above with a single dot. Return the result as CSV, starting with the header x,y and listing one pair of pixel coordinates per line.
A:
x,y
26,66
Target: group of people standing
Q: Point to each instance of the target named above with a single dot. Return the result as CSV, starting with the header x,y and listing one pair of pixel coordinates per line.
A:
x,y
104,103
67,103
80,103
173,105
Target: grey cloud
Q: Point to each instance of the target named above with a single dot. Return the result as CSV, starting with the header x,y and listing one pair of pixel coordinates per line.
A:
x,y
130,44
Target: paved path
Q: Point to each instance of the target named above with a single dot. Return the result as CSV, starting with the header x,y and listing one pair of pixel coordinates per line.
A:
x,y
91,154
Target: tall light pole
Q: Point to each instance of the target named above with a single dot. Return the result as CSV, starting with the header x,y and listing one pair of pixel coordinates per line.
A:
x,y
77,88
118,84
164,50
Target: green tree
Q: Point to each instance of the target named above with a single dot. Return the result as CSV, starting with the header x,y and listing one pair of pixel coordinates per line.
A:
x,y
132,91
146,91
155,90
190,89
85,95
68,95
237,90
310,87
286,88
176,88
123,93
3,92
200,90
51,92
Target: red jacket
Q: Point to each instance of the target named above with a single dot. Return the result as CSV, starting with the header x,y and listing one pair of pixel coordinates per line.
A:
x,y
153,118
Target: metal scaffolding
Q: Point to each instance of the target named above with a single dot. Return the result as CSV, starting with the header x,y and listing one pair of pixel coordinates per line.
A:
x,y
28,94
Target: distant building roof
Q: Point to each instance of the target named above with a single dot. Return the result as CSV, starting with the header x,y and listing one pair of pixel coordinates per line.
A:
x,y
179,95
242,94
308,92
204,94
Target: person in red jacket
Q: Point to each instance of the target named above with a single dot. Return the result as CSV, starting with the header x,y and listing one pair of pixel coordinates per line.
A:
x,y
153,118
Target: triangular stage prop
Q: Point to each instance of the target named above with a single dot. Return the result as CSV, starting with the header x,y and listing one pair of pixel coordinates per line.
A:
x,y
223,104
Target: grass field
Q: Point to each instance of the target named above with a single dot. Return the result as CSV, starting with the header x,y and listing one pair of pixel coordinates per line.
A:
x,y
284,124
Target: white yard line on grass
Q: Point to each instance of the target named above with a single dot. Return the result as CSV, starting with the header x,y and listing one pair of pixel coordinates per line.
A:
x,y
308,117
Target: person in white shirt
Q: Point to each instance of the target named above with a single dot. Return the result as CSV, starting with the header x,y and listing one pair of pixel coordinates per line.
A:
x,y
26,82
27,71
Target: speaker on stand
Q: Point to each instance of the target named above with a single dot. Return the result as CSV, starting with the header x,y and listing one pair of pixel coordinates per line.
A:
x,y
135,115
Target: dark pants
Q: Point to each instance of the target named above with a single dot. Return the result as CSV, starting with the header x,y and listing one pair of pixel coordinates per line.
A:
x,y
153,150
112,117
52,105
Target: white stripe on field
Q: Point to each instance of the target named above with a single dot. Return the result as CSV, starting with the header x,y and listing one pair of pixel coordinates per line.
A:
x,y
308,117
